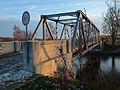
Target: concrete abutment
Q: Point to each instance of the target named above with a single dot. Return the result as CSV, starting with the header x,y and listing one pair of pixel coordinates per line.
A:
x,y
44,57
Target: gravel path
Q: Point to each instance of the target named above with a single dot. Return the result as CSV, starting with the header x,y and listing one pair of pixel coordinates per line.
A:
x,y
11,64
11,70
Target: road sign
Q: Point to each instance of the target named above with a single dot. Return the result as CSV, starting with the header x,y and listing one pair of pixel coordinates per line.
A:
x,y
25,18
25,21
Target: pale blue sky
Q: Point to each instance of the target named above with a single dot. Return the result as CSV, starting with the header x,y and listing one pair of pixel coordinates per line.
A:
x,y
11,11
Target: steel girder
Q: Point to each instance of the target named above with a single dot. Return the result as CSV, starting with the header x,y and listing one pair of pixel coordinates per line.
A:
x,y
81,24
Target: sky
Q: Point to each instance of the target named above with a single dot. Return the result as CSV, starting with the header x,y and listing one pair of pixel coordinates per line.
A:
x,y
11,12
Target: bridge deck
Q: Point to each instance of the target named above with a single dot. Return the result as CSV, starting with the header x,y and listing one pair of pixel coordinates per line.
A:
x,y
82,52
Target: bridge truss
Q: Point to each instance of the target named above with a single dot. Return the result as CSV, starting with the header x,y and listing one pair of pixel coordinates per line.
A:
x,y
76,26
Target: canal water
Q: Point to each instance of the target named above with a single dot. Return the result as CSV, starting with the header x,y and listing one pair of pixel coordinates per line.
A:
x,y
107,65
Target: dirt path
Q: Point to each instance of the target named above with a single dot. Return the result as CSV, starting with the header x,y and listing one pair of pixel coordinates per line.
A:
x,y
11,71
11,64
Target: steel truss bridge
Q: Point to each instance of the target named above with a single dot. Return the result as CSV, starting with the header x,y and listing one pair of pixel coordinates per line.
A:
x,y
75,26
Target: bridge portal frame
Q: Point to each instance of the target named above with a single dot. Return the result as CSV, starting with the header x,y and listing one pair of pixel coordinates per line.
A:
x,y
77,20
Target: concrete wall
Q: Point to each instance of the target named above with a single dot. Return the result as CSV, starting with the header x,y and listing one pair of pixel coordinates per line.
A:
x,y
7,47
43,57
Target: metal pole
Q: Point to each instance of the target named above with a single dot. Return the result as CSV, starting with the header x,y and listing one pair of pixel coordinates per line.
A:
x,y
75,31
26,33
44,30
56,31
62,32
37,28
49,29
27,45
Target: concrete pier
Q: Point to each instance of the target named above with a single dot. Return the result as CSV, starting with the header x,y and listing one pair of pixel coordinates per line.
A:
x,y
44,57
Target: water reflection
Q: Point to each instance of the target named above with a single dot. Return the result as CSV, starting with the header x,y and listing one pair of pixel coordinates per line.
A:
x,y
92,64
89,69
110,64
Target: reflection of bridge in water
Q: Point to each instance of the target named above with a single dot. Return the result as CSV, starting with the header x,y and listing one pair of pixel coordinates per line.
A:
x,y
79,34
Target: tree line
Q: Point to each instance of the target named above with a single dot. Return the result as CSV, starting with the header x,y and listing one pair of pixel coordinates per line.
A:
x,y
111,20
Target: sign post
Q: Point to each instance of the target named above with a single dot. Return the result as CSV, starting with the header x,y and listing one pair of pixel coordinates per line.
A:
x,y
25,21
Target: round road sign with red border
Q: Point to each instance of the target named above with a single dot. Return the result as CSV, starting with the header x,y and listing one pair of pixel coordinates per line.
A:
x,y
25,18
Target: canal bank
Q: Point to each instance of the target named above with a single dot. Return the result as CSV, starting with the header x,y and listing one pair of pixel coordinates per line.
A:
x,y
109,53
98,71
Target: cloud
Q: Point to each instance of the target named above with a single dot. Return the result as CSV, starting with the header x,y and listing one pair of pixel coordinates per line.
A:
x,y
12,10
8,17
23,1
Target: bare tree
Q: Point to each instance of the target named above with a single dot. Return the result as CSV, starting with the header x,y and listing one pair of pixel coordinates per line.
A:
x,y
19,34
111,24
16,33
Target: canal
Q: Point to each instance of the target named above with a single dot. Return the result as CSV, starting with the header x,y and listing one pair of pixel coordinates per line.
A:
x,y
107,64
103,71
